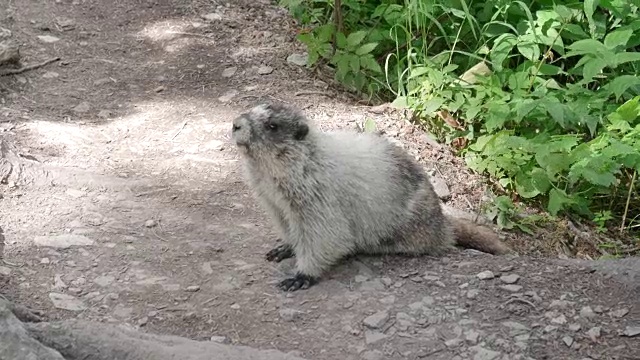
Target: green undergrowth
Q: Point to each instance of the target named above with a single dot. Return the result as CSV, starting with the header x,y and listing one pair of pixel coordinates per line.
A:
x,y
542,97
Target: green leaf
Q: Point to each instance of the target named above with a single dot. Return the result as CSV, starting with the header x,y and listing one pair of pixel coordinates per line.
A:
x,y
620,84
589,8
355,38
366,48
369,62
556,110
625,57
432,105
540,180
563,12
558,201
586,46
529,50
370,125
525,186
618,38
592,68
502,46
354,64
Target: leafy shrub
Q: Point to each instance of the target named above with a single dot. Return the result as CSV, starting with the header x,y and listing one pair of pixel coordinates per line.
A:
x,y
541,97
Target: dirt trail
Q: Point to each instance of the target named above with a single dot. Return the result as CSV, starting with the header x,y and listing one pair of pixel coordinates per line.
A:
x,y
133,125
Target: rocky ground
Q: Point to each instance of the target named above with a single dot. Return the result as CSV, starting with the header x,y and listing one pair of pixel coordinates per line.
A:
x,y
142,218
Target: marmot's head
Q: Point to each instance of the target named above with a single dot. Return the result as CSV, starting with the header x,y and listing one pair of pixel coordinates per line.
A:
x,y
269,128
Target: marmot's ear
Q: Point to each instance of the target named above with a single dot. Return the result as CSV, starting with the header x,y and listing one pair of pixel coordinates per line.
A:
x,y
301,132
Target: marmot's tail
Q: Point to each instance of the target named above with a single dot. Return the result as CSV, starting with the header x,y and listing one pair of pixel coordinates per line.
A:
x,y
470,235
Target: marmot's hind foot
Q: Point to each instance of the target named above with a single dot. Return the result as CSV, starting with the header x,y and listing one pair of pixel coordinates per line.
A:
x,y
298,282
279,253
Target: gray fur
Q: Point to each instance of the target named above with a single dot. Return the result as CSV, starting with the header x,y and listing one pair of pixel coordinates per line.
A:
x,y
333,194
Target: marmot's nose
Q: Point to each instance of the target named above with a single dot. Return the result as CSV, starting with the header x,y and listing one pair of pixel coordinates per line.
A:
x,y
236,127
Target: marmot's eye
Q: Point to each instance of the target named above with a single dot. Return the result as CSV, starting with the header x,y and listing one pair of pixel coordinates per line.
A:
x,y
273,127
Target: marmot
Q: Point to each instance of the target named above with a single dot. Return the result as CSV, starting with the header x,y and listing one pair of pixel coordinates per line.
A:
x,y
334,194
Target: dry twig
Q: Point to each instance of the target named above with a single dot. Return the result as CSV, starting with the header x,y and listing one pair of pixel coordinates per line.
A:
x,y
28,68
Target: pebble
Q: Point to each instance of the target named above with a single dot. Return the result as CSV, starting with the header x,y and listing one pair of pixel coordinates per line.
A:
x,y
510,279
193,288
298,59
289,314
265,70
104,114
587,313
48,38
50,75
212,17
81,108
440,187
559,320
66,302
560,304
104,280
221,339
58,284
372,337
631,331
594,333
228,96
372,355
229,72
5,271
472,337
150,223
473,293
376,320
575,327
63,241
235,306
485,354
485,275
568,340
620,312
511,288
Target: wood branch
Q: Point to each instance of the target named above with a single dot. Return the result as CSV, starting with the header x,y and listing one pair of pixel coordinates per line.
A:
x,y
28,68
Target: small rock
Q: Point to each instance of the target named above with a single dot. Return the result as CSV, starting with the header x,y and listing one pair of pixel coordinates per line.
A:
x,y
228,96
372,355
212,17
5,271
81,108
48,38
560,320
376,320
440,187
575,327
511,288
235,306
550,328
50,75
58,284
485,275
265,70
386,281
143,321
619,313
229,72
594,333
453,342
66,24
388,300
360,278
193,288
560,304
63,241
485,354
472,337
221,339
150,223
206,268
587,313
568,340
598,309
79,281
122,312
631,331
372,337
76,194
289,314
104,280
101,82
473,293
159,89
104,114
66,302
298,59
510,279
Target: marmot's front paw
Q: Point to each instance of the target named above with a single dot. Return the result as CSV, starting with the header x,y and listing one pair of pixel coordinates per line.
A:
x,y
298,282
280,253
